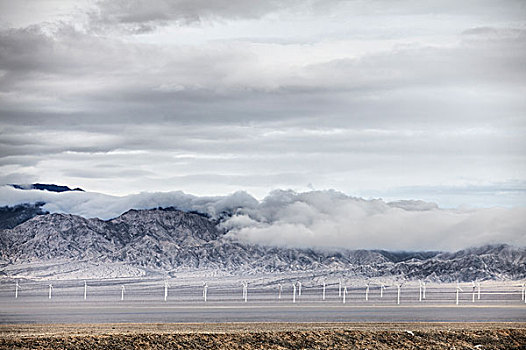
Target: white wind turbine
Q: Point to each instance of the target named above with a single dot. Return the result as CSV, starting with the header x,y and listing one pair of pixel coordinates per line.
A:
x,y
205,291
245,291
293,292
50,289
424,290
399,287
323,292
166,286
367,291
344,293
382,288
299,289
339,287
458,289
419,290
122,292
280,289
473,291
523,292
16,289
478,290
85,290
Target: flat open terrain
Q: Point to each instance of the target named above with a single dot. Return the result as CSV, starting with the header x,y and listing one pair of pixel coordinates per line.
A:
x,y
266,336
144,303
160,312
144,320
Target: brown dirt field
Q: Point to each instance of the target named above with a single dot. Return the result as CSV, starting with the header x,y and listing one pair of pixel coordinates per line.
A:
x,y
266,336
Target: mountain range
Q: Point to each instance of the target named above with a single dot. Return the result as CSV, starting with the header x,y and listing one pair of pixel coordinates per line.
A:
x,y
168,240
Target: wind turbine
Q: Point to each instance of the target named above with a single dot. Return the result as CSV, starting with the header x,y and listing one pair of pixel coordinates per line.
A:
x,y
458,289
85,290
344,293
382,288
50,289
323,292
166,285
399,287
245,291
122,292
293,292
478,290
16,289
280,289
339,287
205,290
523,292
424,290
473,292
299,289
419,290
367,291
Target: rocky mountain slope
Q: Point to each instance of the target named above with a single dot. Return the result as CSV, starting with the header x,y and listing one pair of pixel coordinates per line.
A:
x,y
13,216
170,240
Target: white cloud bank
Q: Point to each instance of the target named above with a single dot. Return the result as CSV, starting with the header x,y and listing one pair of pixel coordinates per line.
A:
x,y
322,219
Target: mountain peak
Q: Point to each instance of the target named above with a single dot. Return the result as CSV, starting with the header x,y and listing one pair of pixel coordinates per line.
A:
x,y
45,187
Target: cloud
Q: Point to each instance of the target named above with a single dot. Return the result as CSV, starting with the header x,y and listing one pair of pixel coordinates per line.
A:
x,y
91,204
330,219
255,96
315,219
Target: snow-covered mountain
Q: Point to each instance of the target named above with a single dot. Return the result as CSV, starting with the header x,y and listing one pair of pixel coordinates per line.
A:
x,y
169,240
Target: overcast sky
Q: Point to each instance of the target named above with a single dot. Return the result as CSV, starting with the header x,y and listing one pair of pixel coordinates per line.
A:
x,y
392,99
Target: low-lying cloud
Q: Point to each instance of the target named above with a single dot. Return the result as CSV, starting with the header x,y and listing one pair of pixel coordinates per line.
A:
x,y
316,219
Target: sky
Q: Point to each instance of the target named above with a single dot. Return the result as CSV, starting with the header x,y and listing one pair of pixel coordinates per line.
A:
x,y
397,100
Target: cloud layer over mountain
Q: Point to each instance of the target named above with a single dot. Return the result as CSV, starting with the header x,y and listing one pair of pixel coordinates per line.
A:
x,y
418,99
323,219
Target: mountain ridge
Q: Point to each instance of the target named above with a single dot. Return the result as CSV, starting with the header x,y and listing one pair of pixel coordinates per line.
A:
x,y
168,239
46,187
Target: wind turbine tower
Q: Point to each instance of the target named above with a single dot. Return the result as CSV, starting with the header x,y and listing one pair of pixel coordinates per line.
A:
x,y
419,290
122,292
16,289
245,291
323,292
339,287
205,290
382,288
399,287
458,289
293,292
85,290
50,289
166,285
367,292
344,293
280,289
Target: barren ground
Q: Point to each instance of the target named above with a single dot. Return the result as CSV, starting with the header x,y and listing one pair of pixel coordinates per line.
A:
x,y
266,336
